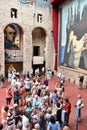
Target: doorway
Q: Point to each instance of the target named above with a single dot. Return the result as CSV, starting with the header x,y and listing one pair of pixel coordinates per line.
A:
x,y
39,47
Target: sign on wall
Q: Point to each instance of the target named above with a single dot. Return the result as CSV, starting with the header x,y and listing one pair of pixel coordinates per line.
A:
x,y
38,60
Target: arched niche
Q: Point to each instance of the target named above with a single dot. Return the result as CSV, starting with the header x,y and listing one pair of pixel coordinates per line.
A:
x,y
39,40
39,47
13,47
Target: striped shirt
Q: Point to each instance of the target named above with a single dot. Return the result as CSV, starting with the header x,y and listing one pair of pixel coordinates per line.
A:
x,y
10,119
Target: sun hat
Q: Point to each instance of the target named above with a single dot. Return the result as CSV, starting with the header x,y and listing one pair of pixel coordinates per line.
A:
x,y
10,108
27,79
15,105
28,99
79,96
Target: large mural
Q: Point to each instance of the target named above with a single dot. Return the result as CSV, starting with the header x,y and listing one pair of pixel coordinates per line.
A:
x,y
12,37
12,43
73,36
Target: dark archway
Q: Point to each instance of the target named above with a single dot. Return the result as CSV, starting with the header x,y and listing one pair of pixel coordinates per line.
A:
x,y
39,48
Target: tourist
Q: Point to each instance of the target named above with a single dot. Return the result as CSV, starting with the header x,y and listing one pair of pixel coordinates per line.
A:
x,y
1,126
48,114
28,106
36,101
58,113
53,124
67,108
54,98
4,112
37,126
10,119
27,85
16,95
66,128
42,121
25,121
13,82
17,115
2,81
81,79
46,81
79,105
9,95
23,95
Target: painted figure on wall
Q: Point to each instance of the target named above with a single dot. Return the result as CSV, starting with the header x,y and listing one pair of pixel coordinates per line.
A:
x,y
77,45
10,34
74,49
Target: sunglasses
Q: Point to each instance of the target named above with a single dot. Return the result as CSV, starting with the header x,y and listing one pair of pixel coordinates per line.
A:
x,y
11,33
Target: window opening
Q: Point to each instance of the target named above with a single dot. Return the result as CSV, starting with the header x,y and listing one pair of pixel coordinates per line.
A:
x,y
39,18
36,50
13,13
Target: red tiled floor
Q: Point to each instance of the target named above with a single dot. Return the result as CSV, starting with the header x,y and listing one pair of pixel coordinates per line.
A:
x,y
71,91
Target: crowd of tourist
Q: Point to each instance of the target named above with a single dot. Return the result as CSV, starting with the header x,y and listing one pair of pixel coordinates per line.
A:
x,y
30,105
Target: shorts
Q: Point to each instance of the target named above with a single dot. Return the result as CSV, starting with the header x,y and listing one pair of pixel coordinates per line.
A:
x,y
27,90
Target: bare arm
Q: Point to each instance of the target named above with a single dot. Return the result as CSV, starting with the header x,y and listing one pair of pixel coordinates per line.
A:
x,y
70,40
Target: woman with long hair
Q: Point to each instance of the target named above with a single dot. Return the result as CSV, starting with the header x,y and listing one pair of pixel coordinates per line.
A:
x,y
53,124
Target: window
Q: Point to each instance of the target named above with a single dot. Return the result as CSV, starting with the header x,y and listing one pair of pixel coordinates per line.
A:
x,y
36,50
13,13
39,18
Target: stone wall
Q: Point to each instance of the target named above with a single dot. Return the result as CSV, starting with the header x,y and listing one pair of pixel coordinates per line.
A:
x,y
27,20
73,75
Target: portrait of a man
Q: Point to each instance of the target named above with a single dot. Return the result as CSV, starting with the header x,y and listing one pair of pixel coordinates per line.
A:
x,y
10,34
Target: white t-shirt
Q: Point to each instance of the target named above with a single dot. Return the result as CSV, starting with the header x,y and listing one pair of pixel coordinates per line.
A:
x,y
25,122
27,84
